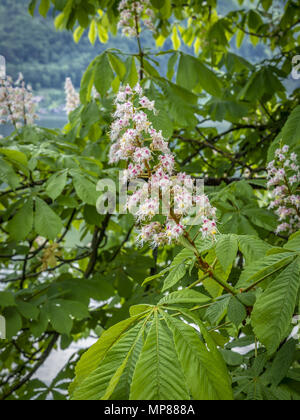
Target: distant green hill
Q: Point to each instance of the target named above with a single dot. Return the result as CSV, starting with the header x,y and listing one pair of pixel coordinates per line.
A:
x,y
44,56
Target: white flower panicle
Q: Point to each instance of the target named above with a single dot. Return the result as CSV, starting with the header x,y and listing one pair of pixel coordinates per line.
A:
x,y
284,179
17,104
132,13
72,97
149,158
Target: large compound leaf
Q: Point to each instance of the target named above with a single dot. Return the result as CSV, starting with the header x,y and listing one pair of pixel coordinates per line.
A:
x,y
290,134
158,374
226,250
101,383
252,248
265,267
203,366
273,311
94,356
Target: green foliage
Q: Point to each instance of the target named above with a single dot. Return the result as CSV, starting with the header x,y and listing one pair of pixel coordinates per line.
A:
x,y
275,307
171,322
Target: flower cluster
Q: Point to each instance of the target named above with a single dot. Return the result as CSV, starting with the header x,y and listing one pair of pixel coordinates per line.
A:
x,y
132,12
284,179
72,97
17,104
151,165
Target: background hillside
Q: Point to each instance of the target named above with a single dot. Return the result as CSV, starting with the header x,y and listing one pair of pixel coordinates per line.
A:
x,y
46,57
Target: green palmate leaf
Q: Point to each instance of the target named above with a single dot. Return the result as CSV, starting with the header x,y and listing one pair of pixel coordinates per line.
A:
x,y
228,110
293,242
183,256
208,80
90,115
59,318
282,362
117,65
15,156
240,38
261,217
162,121
185,296
216,312
254,20
103,34
7,299
156,276
171,66
158,374
28,310
176,38
175,275
13,322
56,185
140,309
226,250
212,286
265,267
77,35
236,311
22,223
94,356
76,309
219,339
273,311
32,6
85,189
87,83
203,367
93,32
39,327
103,75
248,299
8,175
101,383
131,75
232,358
158,4
187,74
122,390
46,223
44,7
253,248
181,103
289,134
192,72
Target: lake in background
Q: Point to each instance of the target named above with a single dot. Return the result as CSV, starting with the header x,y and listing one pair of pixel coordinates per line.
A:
x,y
46,121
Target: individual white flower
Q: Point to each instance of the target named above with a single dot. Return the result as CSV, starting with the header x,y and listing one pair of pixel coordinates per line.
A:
x,y
72,97
209,228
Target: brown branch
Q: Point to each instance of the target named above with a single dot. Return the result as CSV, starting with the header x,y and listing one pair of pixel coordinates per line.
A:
x,y
24,187
27,378
122,244
99,235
